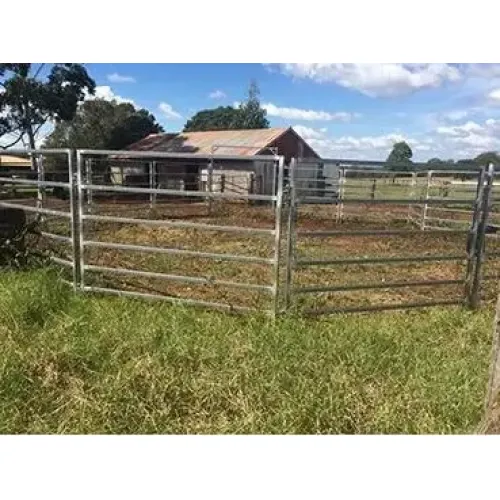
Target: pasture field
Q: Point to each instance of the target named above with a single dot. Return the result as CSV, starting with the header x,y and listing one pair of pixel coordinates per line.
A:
x,y
76,363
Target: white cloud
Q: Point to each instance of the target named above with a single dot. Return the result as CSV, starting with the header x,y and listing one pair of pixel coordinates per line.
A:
x,y
351,147
376,80
105,92
217,94
116,78
305,114
455,116
308,133
460,130
471,138
494,95
168,111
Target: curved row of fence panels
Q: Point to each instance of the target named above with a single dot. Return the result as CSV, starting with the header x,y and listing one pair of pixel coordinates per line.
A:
x,y
249,233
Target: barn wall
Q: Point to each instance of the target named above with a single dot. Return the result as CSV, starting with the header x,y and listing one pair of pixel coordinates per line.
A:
x,y
290,145
263,173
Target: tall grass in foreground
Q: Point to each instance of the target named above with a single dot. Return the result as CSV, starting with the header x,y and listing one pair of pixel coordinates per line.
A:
x,y
86,364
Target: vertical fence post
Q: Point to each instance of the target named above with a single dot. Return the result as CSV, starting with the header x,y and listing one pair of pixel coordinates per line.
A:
x,y
340,201
412,194
277,229
75,219
79,217
481,239
472,236
252,182
88,180
152,183
374,188
41,178
210,180
427,195
290,243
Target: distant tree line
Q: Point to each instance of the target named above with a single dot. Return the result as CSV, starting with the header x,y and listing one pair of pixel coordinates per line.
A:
x,y
400,159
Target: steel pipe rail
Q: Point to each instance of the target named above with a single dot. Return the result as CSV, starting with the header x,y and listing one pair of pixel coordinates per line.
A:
x,y
370,232
28,182
377,286
385,307
178,251
180,278
180,224
37,210
58,237
378,260
175,192
157,155
175,300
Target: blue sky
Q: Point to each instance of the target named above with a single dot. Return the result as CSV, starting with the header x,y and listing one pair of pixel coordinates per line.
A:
x,y
342,110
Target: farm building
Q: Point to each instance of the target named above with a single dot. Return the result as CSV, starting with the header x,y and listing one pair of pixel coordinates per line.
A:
x,y
9,162
240,176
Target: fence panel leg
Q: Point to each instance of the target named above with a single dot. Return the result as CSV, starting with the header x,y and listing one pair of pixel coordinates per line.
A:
x,y
278,231
290,244
79,218
481,239
472,236
76,221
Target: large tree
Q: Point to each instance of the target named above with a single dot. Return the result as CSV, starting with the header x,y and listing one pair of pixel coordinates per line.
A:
x,y
251,114
400,157
484,159
221,118
32,96
248,115
100,124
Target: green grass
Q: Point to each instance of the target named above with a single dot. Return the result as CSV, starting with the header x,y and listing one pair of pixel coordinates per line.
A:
x,y
87,364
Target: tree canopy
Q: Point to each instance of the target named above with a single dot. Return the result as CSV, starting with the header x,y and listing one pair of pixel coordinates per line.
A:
x,y
484,159
28,100
221,118
400,157
248,115
100,124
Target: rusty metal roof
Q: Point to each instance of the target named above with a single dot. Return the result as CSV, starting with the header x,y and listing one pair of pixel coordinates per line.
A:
x,y
222,142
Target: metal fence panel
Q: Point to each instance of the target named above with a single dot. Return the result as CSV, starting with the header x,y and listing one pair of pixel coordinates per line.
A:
x,y
376,248
174,227
43,189
237,234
